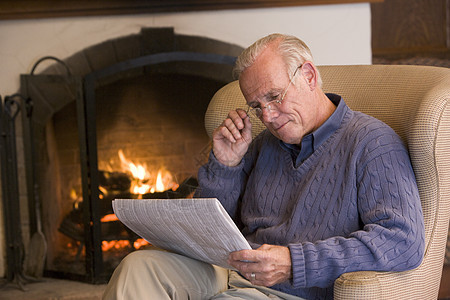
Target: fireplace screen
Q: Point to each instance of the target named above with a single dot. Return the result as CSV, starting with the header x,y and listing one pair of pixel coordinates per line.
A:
x,y
132,130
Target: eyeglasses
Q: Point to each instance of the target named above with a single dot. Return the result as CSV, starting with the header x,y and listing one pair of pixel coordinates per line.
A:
x,y
273,104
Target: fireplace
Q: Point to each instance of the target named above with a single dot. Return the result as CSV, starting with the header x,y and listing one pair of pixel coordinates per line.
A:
x,y
141,110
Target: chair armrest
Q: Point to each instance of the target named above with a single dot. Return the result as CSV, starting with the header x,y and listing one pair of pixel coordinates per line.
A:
x,y
358,285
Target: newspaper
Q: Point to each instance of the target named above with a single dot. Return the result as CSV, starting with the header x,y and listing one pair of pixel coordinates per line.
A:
x,y
199,228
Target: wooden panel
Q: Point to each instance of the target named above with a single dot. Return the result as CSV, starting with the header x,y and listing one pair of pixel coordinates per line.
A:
x,y
410,26
26,9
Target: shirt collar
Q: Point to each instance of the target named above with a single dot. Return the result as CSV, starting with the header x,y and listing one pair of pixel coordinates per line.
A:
x,y
313,140
322,133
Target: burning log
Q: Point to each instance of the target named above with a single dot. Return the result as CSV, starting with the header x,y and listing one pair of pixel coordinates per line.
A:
x,y
72,224
115,181
186,189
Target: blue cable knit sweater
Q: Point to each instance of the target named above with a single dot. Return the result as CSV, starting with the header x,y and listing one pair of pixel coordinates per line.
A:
x,y
352,205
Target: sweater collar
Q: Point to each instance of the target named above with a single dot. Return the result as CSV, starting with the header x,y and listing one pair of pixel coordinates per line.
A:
x,y
313,140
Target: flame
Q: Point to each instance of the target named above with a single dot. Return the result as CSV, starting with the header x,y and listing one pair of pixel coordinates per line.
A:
x,y
118,244
76,199
164,181
108,245
139,173
142,182
109,218
140,243
159,182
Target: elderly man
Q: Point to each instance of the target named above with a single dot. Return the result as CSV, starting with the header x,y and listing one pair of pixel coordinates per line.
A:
x,y
323,191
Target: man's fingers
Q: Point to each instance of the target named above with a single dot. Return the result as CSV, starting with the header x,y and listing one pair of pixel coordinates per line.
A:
x,y
242,114
243,260
272,264
235,125
238,116
233,129
232,138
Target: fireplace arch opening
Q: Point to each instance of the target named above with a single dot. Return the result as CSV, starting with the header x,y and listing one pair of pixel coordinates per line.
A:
x,y
139,99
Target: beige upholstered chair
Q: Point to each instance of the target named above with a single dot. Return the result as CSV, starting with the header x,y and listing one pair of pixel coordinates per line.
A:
x,y
415,102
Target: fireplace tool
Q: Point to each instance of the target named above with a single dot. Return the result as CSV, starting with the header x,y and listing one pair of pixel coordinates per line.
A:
x,y
10,188
37,249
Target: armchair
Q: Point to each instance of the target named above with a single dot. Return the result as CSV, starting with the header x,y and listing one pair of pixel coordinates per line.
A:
x,y
415,102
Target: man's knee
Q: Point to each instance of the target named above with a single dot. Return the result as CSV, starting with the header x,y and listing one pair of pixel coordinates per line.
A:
x,y
135,258
144,259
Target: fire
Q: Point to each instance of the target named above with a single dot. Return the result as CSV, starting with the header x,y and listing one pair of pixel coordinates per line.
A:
x,y
76,199
108,245
164,181
159,183
139,174
109,218
143,182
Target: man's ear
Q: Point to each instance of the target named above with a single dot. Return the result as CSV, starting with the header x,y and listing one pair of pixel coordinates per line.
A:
x,y
309,72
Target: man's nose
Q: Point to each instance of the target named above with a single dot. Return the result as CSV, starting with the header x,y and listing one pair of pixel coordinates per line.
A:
x,y
268,115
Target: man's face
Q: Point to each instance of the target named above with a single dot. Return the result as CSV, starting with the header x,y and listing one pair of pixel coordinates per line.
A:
x,y
267,79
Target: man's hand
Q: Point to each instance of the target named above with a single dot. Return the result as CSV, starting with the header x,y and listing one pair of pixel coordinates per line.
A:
x,y
232,138
270,264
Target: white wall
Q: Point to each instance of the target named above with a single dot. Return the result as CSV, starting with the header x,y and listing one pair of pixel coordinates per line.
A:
x,y
336,34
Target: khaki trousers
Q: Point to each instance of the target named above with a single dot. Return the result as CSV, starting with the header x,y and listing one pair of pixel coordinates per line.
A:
x,y
154,274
